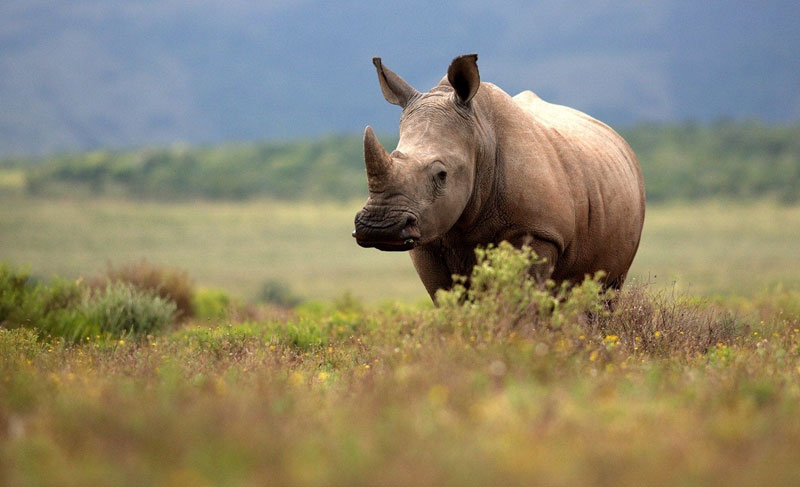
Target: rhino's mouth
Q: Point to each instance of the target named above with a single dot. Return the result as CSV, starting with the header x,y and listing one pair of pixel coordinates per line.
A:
x,y
391,232
388,245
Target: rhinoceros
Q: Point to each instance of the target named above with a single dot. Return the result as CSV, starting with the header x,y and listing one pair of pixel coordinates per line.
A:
x,y
474,166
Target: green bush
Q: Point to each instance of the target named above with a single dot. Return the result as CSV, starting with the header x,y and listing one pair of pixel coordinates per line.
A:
x,y
503,300
279,294
123,308
211,304
73,311
16,345
502,296
304,335
54,309
166,282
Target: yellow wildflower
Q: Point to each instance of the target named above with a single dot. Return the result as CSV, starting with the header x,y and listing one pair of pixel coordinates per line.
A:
x,y
296,378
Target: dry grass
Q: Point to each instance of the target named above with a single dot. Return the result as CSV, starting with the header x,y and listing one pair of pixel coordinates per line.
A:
x,y
660,323
668,389
664,390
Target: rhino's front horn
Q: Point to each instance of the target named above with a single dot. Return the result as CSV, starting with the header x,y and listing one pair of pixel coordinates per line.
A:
x,y
375,156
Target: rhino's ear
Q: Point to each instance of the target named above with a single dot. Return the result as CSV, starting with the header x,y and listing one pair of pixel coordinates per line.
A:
x,y
464,77
394,88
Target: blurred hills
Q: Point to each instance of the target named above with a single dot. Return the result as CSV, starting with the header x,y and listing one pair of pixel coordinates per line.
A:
x,y
116,73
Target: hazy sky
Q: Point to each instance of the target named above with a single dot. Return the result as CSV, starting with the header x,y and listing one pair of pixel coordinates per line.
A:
x,y
120,73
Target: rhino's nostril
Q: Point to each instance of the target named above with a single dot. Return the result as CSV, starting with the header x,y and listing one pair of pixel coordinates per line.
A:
x,y
410,230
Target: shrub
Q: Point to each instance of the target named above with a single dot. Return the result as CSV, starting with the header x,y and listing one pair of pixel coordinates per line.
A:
x,y
348,303
278,293
73,311
16,345
53,309
503,298
503,301
304,335
211,304
661,323
502,295
122,308
166,282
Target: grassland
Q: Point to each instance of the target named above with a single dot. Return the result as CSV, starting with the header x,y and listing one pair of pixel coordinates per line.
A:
x,y
497,391
710,248
233,246
669,389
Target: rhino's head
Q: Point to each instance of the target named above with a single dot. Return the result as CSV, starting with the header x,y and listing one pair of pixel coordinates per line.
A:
x,y
419,191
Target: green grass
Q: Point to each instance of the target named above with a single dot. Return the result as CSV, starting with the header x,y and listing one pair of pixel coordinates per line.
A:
x,y
495,391
235,246
501,384
720,247
703,248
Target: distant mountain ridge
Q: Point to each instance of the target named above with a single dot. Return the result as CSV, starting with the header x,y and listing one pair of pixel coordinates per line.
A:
x,y
113,73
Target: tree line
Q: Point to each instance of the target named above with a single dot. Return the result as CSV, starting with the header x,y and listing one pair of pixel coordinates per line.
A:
x,y
740,160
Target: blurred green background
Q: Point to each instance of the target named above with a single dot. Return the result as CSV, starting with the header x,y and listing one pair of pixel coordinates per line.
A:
x,y
722,216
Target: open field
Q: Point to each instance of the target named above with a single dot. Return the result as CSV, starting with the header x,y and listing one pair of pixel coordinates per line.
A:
x,y
663,391
234,246
700,248
508,388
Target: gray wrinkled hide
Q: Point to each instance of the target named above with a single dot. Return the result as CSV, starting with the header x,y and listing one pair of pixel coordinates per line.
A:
x,y
475,166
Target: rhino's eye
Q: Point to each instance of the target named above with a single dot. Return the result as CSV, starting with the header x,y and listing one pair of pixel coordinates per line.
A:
x,y
439,176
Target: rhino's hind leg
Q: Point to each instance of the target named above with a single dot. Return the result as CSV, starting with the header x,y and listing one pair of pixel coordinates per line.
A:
x,y
544,250
617,283
614,285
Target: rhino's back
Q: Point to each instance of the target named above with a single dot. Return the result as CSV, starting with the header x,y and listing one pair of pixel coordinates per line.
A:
x,y
575,126
605,182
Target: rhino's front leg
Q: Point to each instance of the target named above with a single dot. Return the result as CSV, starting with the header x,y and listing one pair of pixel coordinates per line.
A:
x,y
432,268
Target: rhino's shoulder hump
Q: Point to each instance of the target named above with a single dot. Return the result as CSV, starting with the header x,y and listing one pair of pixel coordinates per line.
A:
x,y
551,115
526,98
565,120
